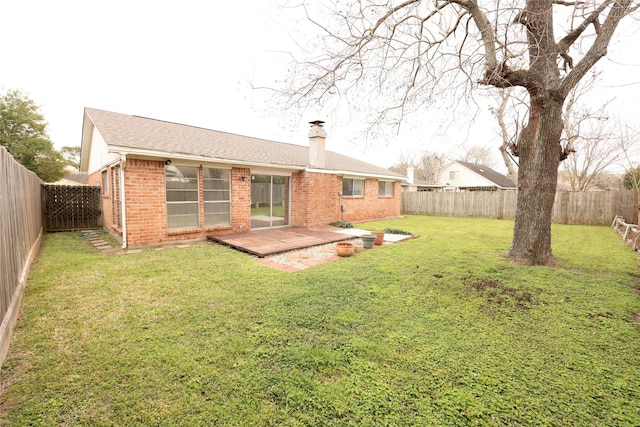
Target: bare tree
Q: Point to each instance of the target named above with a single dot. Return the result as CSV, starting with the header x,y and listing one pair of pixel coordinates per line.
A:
x,y
410,51
510,127
426,166
628,140
479,155
430,164
587,135
404,161
589,138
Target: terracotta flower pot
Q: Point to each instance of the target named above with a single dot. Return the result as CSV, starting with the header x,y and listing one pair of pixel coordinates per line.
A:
x,y
344,249
379,237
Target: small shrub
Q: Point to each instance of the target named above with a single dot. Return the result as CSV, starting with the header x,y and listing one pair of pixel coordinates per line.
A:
x,y
397,231
341,224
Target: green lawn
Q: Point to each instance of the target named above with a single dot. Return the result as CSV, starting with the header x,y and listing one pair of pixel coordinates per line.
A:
x,y
435,331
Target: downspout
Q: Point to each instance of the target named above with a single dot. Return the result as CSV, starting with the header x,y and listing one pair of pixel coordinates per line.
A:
x,y
123,214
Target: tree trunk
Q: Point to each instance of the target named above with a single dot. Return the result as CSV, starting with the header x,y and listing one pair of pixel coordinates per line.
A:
x,y
539,153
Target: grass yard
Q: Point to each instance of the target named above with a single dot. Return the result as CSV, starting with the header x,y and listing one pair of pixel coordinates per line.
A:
x,y
435,331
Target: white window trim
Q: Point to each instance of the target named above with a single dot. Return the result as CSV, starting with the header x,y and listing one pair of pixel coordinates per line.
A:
x,y
354,178
167,203
205,202
393,190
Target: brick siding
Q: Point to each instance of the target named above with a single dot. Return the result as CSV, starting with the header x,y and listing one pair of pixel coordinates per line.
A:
x,y
314,198
107,201
315,201
371,206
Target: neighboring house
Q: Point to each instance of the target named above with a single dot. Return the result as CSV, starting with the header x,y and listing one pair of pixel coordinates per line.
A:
x,y
165,181
74,179
464,176
412,184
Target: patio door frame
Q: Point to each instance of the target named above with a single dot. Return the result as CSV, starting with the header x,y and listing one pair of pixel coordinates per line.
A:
x,y
268,220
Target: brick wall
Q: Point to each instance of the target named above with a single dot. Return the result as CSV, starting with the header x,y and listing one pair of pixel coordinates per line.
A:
x,y
145,204
107,201
371,206
314,202
241,199
314,198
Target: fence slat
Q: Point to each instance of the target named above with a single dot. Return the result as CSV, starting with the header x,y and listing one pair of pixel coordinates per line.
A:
x,y
588,208
21,232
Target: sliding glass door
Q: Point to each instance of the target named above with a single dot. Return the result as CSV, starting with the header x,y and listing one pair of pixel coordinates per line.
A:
x,y
269,201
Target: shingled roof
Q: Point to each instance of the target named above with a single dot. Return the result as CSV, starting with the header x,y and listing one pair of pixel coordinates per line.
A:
x,y
134,134
488,173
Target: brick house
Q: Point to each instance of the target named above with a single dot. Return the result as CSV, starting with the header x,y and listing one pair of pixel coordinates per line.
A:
x,y
164,182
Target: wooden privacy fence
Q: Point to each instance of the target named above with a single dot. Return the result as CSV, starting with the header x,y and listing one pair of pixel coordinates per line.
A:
x,y
20,237
587,208
67,208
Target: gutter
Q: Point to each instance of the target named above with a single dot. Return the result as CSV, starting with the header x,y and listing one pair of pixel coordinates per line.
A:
x,y
123,200
105,166
357,174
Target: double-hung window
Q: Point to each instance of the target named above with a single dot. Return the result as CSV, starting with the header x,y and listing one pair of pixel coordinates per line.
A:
x,y
385,188
352,187
217,196
182,197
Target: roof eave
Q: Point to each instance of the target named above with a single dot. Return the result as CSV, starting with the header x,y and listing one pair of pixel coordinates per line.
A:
x,y
353,173
85,142
481,175
160,155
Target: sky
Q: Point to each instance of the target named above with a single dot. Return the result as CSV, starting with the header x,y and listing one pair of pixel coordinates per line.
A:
x,y
193,62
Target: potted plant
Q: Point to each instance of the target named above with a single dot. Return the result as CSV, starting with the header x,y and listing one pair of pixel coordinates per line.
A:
x,y
367,240
344,249
379,237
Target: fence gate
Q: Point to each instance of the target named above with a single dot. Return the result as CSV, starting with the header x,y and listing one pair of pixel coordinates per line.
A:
x,y
68,207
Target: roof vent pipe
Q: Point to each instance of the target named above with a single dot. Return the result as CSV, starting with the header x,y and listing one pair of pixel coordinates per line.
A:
x,y
317,136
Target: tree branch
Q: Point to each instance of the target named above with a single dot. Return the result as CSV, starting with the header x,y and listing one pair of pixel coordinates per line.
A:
x,y
619,9
565,43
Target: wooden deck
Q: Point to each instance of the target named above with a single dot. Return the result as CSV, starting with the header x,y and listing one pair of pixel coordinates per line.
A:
x,y
275,240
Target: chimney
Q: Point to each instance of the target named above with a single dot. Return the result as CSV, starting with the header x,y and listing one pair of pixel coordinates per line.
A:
x,y
317,136
410,172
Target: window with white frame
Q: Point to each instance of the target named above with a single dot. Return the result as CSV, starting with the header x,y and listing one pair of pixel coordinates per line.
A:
x,y
352,187
182,197
385,188
217,196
